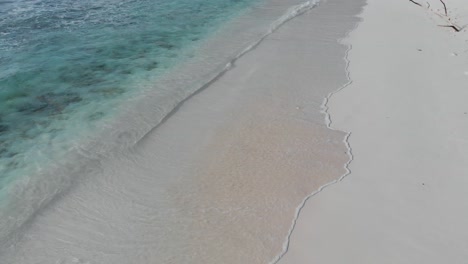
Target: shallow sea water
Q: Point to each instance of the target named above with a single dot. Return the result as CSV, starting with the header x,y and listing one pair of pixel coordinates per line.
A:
x,y
123,194
65,66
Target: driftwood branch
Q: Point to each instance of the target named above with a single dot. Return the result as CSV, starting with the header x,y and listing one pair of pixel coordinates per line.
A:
x,y
447,19
454,27
416,3
445,7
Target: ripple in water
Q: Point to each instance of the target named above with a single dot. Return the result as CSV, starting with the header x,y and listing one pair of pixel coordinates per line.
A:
x,y
65,65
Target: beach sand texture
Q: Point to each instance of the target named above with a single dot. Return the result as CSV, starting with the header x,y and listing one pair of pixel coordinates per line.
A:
x,y
405,200
220,180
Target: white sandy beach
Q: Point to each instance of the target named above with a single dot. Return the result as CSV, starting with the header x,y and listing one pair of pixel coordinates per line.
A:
x,y
405,200
221,180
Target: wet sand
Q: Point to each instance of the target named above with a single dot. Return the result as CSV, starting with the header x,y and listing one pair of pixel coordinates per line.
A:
x,y
405,199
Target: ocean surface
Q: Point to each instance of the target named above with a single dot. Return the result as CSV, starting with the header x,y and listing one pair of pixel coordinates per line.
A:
x,y
69,68
65,65
84,81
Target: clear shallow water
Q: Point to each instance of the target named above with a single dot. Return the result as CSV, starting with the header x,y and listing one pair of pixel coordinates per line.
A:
x,y
166,200
152,202
66,65
79,98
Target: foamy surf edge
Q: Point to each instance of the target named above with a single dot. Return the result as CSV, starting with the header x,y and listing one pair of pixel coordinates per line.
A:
x,y
291,13
328,122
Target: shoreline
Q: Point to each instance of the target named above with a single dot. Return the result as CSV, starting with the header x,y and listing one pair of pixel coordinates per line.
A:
x,y
405,198
224,174
324,109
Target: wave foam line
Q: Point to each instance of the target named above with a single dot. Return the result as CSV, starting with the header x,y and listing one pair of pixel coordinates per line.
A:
x,y
328,122
291,13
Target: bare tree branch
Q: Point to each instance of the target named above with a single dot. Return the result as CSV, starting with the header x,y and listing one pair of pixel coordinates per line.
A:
x,y
457,29
416,3
445,7
446,17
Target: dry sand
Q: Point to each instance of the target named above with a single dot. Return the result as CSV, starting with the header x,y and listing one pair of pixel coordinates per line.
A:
x,y
405,200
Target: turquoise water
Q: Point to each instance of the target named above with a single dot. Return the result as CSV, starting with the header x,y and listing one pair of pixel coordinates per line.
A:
x,y
66,65
84,87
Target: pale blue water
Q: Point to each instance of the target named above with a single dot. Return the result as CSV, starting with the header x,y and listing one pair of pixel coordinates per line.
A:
x,y
65,65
